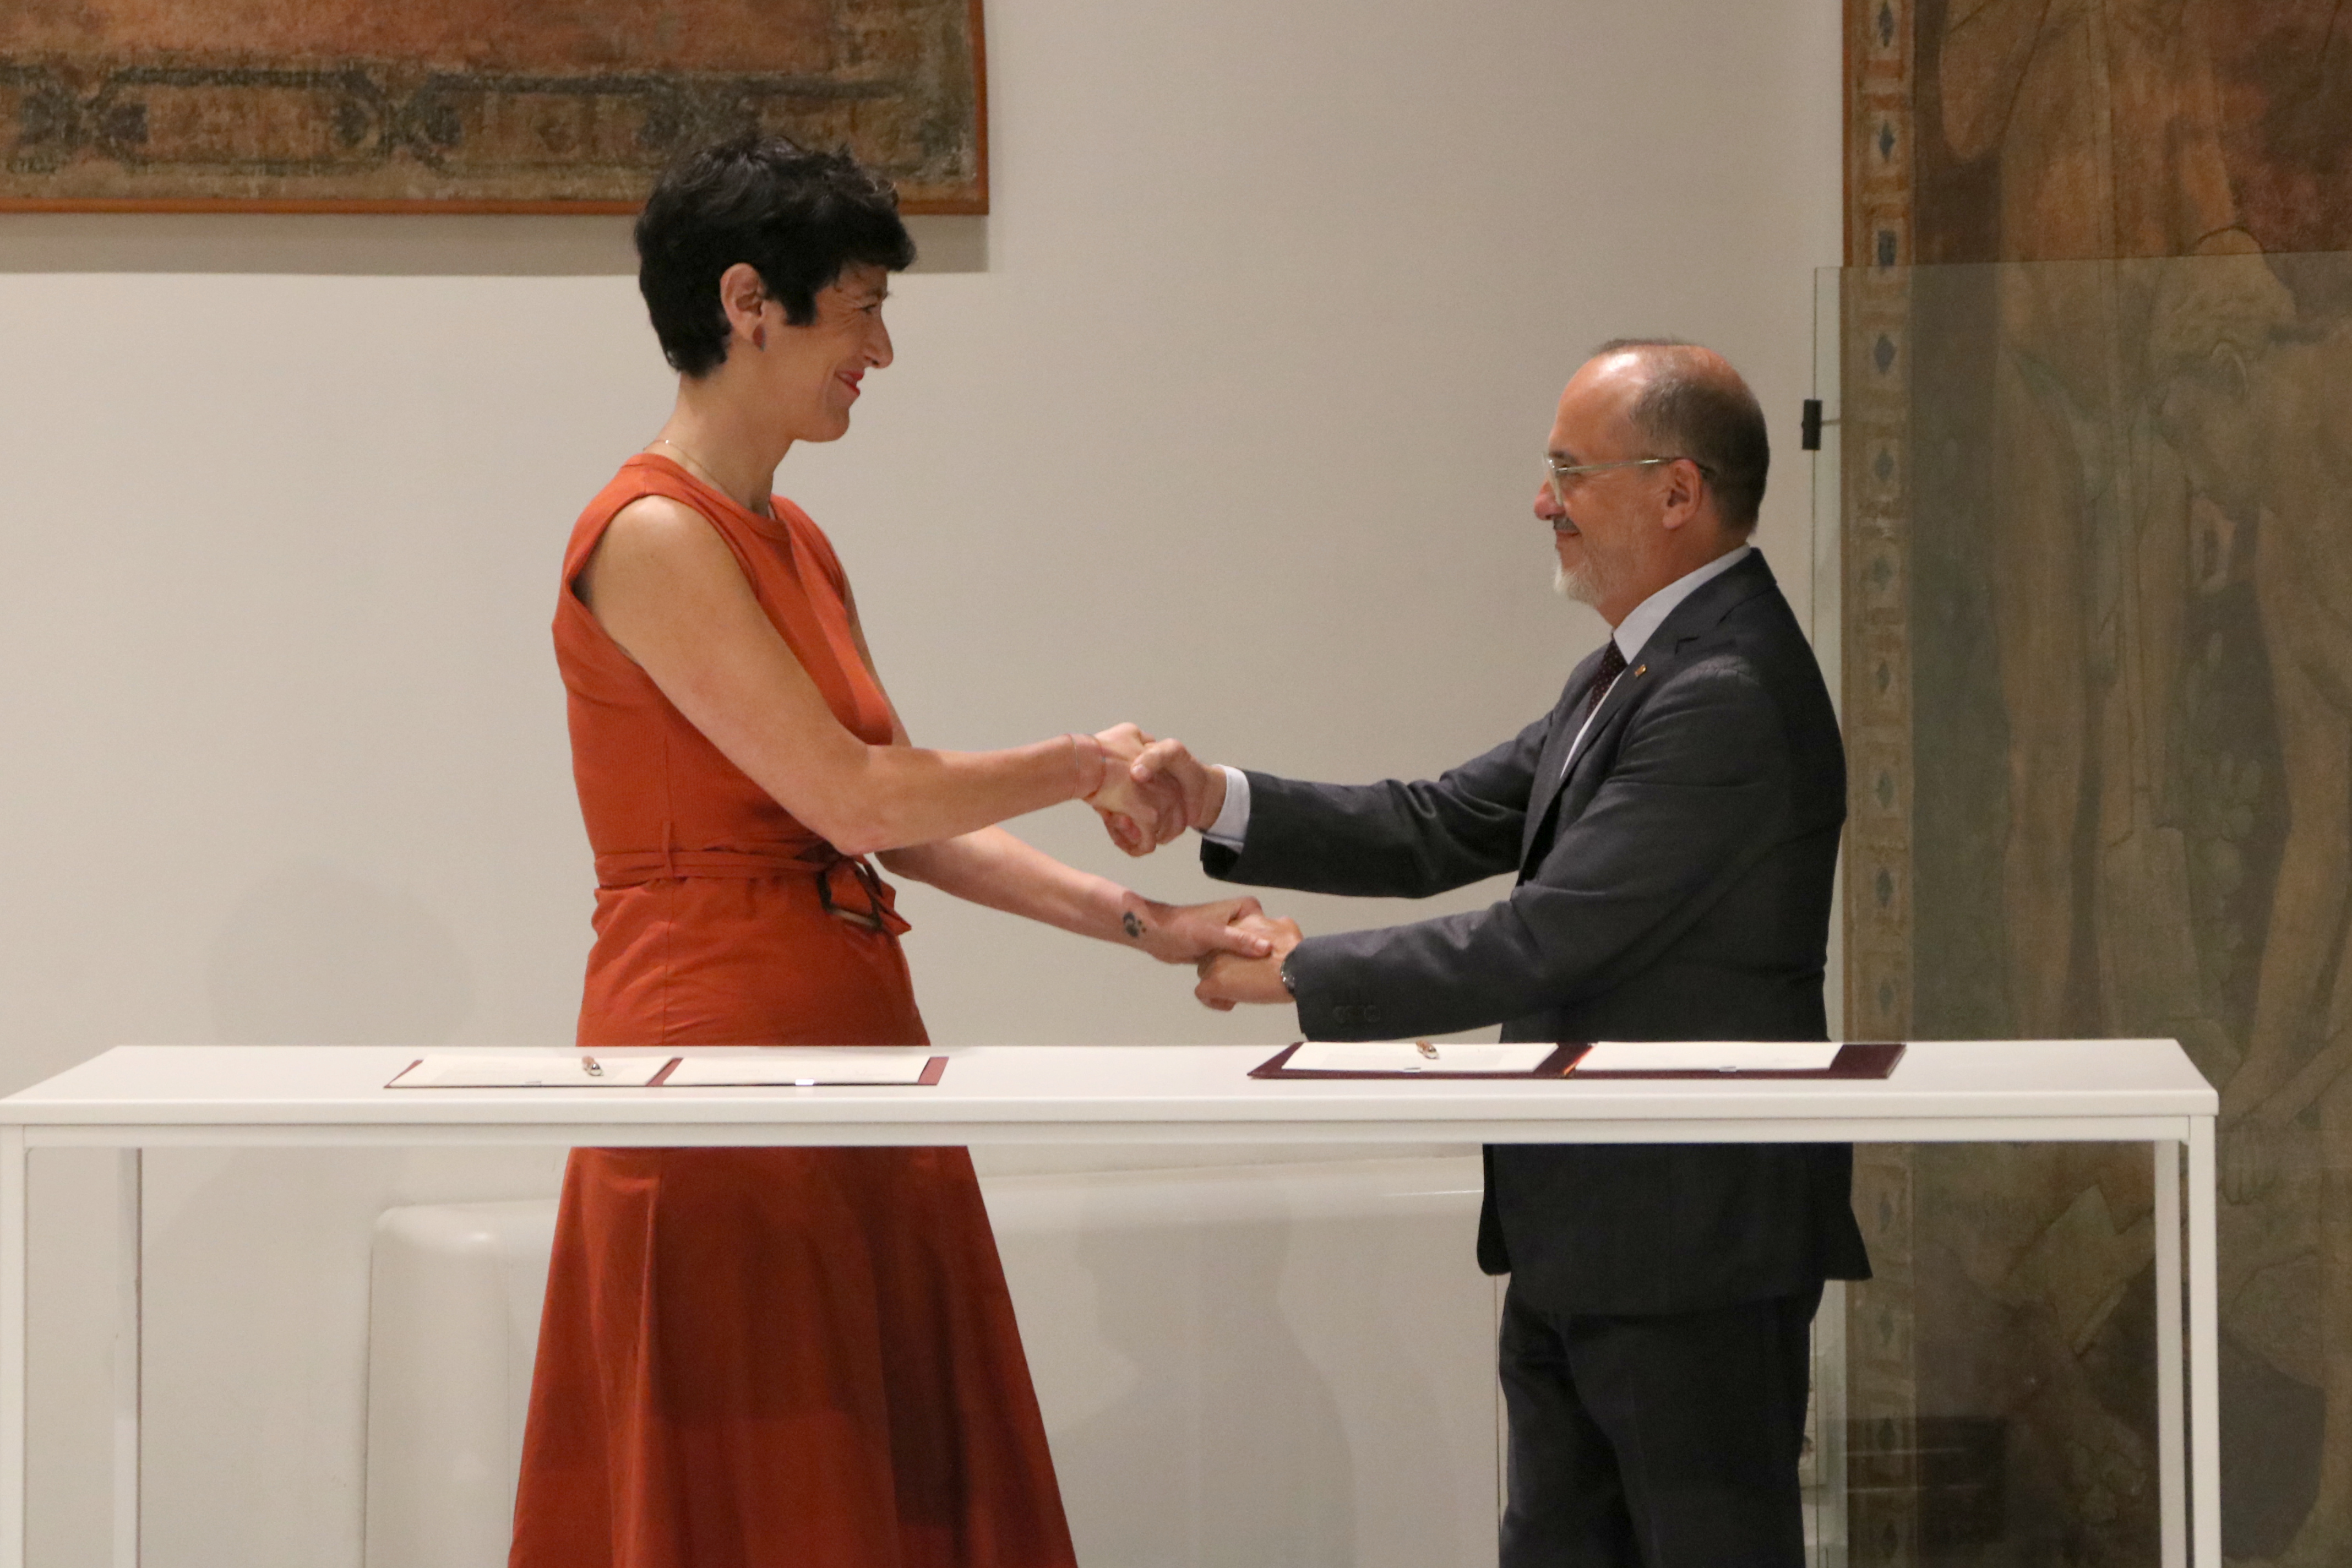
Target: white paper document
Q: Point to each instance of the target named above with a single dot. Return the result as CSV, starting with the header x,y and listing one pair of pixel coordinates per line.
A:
x,y
540,1069
1707,1056
1414,1055
845,1064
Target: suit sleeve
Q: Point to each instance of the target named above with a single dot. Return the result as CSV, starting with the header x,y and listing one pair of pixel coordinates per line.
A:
x,y
1387,840
1699,791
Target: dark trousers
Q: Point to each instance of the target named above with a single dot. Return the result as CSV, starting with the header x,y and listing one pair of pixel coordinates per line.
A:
x,y
1656,1442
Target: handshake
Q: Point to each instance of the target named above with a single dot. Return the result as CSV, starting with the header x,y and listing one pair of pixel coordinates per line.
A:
x,y
1151,791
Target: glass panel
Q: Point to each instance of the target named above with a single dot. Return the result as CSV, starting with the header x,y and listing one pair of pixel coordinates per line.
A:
x,y
2093,572
1828,1519
1826,426
1828,583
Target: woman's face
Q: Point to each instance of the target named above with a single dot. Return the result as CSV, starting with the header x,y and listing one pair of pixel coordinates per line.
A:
x,y
810,374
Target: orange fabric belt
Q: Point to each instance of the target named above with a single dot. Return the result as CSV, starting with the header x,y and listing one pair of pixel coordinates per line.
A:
x,y
849,887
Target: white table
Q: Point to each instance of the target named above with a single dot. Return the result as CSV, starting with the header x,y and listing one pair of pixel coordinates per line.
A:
x,y
139,1097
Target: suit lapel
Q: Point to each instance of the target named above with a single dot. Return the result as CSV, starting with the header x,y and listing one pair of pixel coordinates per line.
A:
x,y
1691,618
1613,702
1561,763
1551,763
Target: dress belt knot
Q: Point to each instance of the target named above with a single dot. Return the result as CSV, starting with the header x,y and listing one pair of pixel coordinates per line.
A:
x,y
848,885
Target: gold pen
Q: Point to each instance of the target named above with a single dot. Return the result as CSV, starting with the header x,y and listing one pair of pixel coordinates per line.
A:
x,y
589,1066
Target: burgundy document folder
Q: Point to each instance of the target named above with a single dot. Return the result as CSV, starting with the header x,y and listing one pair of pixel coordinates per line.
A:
x,y
1855,1059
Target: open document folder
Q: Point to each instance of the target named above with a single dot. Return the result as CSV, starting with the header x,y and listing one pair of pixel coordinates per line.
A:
x,y
805,1068
537,1069
1709,1056
1417,1056
1601,1058
784,1067
1417,1059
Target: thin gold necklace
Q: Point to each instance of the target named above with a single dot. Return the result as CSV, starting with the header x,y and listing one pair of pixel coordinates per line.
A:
x,y
703,471
700,468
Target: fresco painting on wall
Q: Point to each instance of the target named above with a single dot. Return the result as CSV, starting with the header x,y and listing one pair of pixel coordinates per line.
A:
x,y
470,105
2124,519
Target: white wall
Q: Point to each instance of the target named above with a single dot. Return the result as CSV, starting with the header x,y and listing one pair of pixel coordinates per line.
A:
x,y
1224,421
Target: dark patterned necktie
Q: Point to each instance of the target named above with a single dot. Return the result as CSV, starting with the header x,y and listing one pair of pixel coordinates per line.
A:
x,y
1612,664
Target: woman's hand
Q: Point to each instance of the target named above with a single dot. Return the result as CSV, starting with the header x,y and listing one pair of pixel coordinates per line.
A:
x,y
1140,814
1194,933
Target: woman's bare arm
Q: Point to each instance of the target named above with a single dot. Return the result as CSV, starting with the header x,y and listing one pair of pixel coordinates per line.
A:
x,y
666,589
992,868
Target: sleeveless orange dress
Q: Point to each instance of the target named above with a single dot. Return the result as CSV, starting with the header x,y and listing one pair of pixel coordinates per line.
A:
x,y
760,1358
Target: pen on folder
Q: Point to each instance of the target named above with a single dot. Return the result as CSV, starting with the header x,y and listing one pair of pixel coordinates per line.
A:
x,y
589,1066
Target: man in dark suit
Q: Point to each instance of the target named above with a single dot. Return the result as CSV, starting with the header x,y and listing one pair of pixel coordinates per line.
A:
x,y
1674,823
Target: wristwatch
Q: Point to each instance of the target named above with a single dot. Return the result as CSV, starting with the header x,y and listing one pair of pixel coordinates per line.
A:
x,y
1289,980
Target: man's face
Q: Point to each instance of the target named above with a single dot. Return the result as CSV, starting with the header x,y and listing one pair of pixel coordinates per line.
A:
x,y
1607,532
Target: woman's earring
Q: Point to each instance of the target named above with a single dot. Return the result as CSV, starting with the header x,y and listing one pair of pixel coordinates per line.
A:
x,y
760,337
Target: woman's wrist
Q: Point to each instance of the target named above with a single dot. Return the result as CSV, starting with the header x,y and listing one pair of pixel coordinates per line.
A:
x,y
1131,916
1088,765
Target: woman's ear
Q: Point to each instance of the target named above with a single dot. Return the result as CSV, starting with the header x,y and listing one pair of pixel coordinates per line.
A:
x,y
743,295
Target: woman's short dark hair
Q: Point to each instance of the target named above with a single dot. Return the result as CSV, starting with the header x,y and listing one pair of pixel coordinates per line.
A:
x,y
799,218
1692,405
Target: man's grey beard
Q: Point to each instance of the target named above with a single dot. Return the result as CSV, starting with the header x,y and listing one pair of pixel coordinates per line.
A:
x,y
1581,584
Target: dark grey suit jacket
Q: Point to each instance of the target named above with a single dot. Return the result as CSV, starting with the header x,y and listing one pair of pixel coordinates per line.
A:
x,y
1673,883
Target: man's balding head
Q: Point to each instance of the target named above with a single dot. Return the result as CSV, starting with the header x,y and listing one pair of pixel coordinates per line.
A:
x,y
1690,403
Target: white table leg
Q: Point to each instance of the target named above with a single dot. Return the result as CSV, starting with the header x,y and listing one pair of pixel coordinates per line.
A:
x,y
13,1214
2204,1350
130,1233
2172,1492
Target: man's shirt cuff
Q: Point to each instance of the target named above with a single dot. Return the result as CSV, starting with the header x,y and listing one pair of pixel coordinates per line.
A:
x,y
1232,820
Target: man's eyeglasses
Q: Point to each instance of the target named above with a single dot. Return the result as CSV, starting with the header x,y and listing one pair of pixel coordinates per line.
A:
x,y
1563,476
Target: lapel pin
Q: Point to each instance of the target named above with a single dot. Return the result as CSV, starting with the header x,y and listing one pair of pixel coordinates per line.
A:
x,y
1640,670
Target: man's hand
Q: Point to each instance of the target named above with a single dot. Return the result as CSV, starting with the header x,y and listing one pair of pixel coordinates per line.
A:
x,y
1140,814
1159,790
1195,789
1228,978
1195,933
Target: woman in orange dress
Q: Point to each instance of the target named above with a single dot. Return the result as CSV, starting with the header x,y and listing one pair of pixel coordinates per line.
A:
x,y
783,1358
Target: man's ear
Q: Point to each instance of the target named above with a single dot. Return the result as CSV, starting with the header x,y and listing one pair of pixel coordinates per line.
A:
x,y
1681,500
